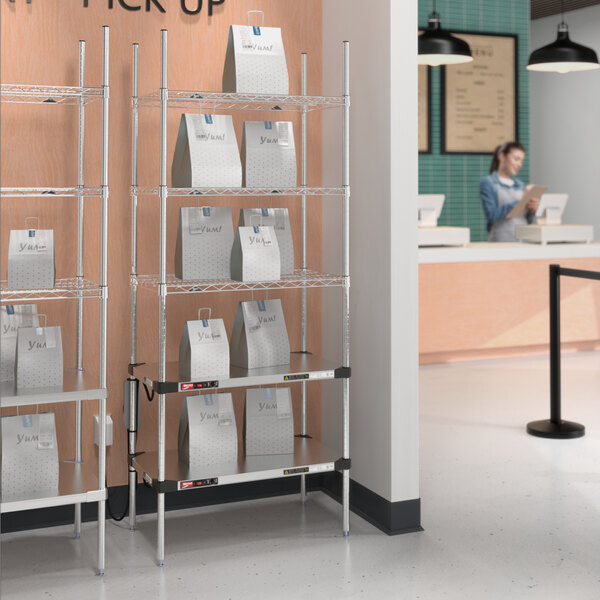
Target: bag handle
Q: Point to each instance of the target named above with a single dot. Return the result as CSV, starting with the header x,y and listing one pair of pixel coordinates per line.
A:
x,y
257,12
37,222
200,312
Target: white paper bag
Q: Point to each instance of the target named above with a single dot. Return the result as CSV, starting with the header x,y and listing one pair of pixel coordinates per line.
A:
x,y
204,350
269,154
206,153
30,264
255,61
11,318
259,337
207,430
39,361
204,241
255,254
29,456
268,422
279,219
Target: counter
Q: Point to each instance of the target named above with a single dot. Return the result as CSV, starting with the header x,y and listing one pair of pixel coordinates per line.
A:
x,y
502,251
491,299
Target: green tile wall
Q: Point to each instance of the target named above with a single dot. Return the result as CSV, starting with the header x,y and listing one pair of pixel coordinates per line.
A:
x,y
458,175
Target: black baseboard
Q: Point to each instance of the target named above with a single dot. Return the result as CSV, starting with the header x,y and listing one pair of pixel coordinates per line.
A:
x,y
390,517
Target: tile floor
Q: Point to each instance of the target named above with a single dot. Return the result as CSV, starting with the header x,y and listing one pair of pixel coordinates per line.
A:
x,y
506,516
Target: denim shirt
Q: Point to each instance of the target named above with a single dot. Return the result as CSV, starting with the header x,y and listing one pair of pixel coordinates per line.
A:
x,y
490,189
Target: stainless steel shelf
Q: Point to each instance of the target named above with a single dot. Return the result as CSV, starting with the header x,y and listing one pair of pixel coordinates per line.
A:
x,y
302,367
77,483
310,456
298,279
71,287
295,191
53,192
218,101
48,94
77,385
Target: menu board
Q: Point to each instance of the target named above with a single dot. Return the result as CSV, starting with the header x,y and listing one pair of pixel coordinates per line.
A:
x,y
479,98
424,109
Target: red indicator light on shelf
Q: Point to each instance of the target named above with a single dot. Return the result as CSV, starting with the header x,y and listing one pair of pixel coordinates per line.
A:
x,y
187,386
184,485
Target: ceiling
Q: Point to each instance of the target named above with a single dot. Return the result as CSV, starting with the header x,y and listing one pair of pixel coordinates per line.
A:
x,y
545,8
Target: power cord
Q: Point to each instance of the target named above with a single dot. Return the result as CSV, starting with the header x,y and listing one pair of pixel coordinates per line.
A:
x,y
108,503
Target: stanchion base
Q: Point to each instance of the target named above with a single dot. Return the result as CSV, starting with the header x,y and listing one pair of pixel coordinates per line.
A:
x,y
564,430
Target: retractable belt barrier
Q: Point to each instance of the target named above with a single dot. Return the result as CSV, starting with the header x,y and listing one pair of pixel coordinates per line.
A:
x,y
555,427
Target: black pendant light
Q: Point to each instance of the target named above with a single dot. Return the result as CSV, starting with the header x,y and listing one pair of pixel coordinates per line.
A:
x,y
563,55
439,47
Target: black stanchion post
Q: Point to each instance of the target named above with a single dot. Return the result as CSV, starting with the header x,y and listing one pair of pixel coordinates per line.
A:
x,y
555,384
555,427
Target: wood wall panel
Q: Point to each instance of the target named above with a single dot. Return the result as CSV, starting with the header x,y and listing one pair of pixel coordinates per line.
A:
x,y
39,44
483,309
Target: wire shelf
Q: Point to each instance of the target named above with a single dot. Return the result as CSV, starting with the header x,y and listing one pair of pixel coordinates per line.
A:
x,y
27,192
297,191
229,101
48,94
62,290
298,279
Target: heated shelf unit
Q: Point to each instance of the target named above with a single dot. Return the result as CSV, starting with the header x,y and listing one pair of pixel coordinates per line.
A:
x,y
78,482
162,469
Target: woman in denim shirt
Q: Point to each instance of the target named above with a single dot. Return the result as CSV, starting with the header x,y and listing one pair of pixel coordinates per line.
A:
x,y
501,190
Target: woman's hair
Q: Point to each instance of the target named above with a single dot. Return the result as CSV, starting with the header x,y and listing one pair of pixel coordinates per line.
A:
x,y
505,149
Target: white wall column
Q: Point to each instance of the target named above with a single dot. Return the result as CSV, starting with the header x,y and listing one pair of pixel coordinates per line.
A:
x,y
384,440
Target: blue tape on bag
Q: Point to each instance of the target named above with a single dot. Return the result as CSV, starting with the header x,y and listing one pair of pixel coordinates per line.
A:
x,y
32,233
268,124
261,305
208,119
204,323
256,228
256,30
27,421
10,309
268,393
206,211
208,400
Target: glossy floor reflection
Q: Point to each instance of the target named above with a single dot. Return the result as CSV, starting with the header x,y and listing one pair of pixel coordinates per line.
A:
x,y
506,516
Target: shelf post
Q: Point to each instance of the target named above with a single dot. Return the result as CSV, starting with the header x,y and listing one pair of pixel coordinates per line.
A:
x,y
133,388
80,230
103,300
162,308
346,291
304,238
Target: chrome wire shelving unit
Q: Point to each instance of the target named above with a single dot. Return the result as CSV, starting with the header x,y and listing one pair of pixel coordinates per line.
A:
x,y
162,469
78,482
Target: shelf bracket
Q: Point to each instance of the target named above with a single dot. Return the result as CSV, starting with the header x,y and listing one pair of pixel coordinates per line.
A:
x,y
342,373
343,464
